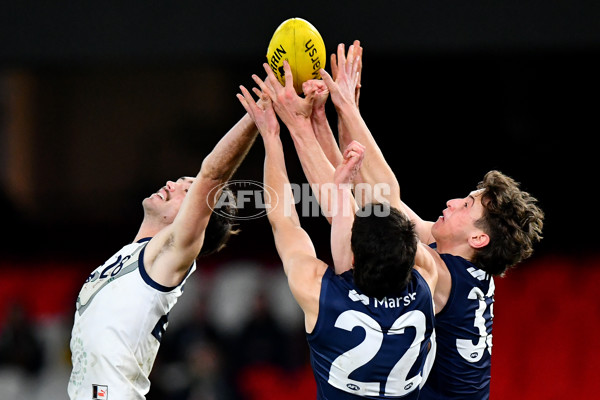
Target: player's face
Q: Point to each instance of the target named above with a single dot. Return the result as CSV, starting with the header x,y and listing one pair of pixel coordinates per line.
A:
x,y
166,202
457,222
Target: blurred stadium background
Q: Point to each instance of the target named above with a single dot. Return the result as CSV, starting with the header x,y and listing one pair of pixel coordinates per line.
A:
x,y
101,103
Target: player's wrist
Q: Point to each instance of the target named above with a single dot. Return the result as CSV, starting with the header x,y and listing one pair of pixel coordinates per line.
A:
x,y
348,114
319,114
300,124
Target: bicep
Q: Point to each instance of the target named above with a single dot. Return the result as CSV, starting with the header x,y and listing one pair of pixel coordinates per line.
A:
x,y
426,264
422,227
304,275
164,263
194,214
291,241
172,250
341,233
303,269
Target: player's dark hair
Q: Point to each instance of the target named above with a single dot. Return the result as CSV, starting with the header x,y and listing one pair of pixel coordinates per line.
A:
x,y
512,220
384,244
220,227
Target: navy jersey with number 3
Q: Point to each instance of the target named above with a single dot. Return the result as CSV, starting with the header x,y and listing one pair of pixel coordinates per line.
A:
x,y
371,348
464,336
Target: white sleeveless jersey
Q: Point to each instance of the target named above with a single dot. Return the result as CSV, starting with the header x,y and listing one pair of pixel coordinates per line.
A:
x,y
120,319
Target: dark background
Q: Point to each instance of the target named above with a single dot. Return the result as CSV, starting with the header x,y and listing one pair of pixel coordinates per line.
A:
x,y
119,97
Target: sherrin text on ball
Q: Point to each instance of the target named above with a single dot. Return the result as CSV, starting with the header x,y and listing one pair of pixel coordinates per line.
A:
x,y
297,41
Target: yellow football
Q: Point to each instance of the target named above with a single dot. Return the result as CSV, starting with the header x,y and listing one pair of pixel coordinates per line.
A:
x,y
297,41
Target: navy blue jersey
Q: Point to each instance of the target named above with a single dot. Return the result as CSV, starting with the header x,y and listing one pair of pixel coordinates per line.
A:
x,y
463,330
371,348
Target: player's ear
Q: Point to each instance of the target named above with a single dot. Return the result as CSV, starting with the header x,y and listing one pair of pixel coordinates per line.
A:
x,y
479,240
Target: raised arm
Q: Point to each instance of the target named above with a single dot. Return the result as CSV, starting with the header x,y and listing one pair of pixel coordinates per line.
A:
x,y
375,169
295,112
303,269
355,52
345,207
317,90
169,255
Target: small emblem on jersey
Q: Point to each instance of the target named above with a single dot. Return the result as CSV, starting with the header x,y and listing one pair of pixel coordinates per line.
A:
x,y
352,386
354,296
99,392
407,387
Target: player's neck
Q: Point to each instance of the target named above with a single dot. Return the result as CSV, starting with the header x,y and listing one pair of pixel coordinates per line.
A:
x,y
456,249
148,228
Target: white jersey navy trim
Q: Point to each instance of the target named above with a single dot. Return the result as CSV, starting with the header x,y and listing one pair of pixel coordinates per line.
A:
x,y
118,326
153,283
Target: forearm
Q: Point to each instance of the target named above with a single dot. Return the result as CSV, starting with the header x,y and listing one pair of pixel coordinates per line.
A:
x,y
317,168
291,241
229,152
217,168
341,229
325,136
344,140
422,227
375,169
344,137
279,196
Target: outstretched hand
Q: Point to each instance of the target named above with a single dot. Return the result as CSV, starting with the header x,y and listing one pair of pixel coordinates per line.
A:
x,y
345,81
290,107
262,113
353,158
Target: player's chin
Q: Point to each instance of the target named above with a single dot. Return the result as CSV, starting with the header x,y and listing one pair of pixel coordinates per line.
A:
x,y
151,202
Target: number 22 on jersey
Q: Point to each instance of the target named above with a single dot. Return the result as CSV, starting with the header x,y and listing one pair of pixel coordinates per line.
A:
x,y
397,383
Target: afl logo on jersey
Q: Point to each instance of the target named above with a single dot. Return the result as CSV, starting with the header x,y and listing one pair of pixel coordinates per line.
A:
x,y
352,386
